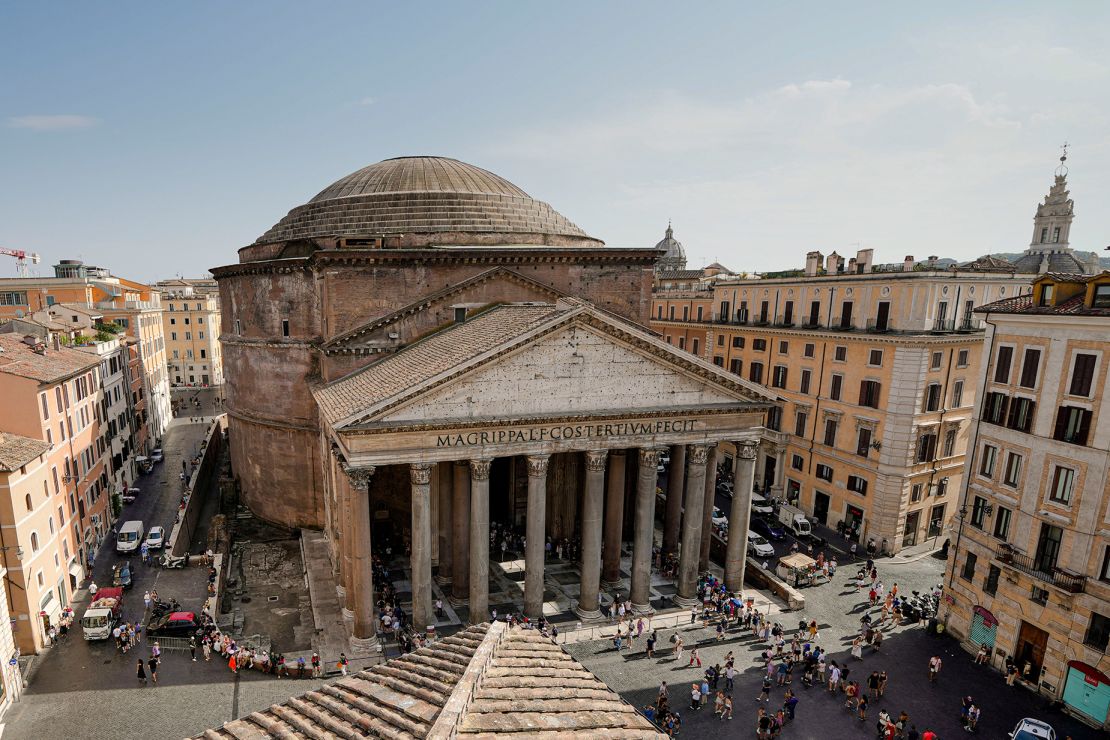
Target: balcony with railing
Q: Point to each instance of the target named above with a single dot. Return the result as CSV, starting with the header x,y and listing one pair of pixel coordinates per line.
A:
x,y
944,326
969,324
879,327
784,322
1061,579
841,324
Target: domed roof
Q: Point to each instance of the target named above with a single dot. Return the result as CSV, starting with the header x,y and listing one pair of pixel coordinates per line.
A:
x,y
428,201
674,257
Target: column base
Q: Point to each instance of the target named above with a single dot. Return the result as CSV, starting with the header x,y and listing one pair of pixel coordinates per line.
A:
x,y
587,615
683,602
642,610
453,601
612,585
443,580
364,645
348,615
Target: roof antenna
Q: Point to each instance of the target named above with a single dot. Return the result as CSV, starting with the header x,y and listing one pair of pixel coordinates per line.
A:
x,y
1062,169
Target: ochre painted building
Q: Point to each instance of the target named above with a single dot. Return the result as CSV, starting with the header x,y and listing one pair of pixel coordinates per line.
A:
x,y
1030,573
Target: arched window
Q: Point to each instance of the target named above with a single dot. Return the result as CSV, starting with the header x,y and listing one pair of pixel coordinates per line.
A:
x,y
34,541
28,500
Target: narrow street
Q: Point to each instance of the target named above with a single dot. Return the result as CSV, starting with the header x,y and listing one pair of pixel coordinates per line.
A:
x,y
88,689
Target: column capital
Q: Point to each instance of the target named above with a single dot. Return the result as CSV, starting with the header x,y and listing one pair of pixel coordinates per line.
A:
x,y
649,456
747,449
697,455
537,465
779,449
421,473
595,460
479,469
359,477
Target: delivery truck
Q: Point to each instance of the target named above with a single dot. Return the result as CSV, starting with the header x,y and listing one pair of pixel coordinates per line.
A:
x,y
795,520
103,614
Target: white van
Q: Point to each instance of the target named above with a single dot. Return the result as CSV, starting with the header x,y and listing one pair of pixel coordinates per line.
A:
x,y
130,536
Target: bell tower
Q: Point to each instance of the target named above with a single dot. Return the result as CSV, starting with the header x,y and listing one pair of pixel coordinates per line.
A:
x,y
1052,223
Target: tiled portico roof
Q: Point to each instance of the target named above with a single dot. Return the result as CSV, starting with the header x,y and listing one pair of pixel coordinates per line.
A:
x,y
428,357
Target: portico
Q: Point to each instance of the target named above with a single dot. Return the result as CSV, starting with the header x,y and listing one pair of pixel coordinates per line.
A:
x,y
553,430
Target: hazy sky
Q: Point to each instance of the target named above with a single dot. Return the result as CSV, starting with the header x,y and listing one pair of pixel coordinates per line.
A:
x,y
158,138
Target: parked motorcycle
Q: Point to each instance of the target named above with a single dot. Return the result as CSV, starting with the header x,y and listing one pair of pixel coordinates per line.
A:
x,y
171,561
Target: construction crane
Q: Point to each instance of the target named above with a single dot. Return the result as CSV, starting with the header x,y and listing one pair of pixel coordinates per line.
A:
x,y
21,258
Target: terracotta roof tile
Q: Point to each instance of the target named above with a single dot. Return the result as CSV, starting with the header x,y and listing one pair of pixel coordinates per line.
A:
x,y
19,358
1023,304
496,680
16,451
428,357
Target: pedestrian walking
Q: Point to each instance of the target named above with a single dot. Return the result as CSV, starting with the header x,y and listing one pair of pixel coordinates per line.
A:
x,y
678,649
934,668
727,714
861,708
650,652
695,696
765,690
439,607
152,664
140,671
694,656
315,664
156,651
972,718
343,663
193,647
206,648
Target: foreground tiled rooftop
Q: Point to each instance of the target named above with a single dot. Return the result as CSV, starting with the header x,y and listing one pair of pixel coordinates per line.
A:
x,y
19,358
487,681
16,451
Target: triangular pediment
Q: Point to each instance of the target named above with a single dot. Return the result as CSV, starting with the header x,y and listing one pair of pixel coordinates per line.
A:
x,y
578,361
435,310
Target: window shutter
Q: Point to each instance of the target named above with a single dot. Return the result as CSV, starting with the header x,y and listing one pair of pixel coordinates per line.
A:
x,y
1061,423
1082,375
1084,427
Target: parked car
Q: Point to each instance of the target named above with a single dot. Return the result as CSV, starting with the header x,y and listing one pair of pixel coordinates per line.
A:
x,y
719,519
156,455
769,528
1033,729
121,575
174,624
156,538
759,547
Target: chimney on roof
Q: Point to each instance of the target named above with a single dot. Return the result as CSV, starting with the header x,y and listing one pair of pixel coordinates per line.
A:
x,y
907,263
834,264
813,263
852,265
57,343
864,259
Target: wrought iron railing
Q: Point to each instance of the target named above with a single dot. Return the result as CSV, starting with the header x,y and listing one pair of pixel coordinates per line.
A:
x,y
1071,582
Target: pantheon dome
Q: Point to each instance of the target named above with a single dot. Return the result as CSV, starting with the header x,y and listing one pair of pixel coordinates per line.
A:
x,y
416,202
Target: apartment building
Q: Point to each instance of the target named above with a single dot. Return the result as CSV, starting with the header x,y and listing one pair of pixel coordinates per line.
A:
x,y
53,509
876,372
77,292
1030,576
11,679
191,325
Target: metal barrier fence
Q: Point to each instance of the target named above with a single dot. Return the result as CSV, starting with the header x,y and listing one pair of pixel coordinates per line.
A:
x,y
171,643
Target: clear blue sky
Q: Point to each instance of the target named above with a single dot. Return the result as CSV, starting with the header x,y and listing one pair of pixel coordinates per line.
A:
x,y
158,138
